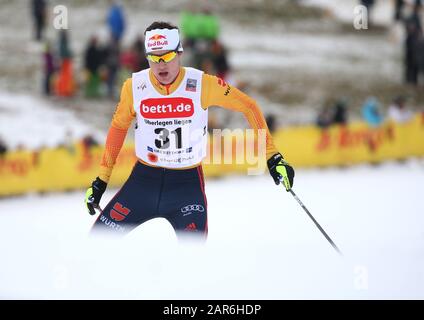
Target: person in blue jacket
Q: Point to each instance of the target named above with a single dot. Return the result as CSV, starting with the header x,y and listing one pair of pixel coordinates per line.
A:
x,y
371,112
116,21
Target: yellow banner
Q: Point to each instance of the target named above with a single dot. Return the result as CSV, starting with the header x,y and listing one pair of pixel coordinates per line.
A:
x,y
356,143
307,146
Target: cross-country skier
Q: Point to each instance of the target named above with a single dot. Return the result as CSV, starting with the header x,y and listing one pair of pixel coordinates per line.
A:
x,y
168,101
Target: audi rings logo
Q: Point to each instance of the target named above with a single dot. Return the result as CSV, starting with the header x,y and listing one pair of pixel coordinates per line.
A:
x,y
193,207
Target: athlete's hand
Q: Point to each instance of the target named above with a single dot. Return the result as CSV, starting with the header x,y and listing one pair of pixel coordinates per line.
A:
x,y
281,171
94,194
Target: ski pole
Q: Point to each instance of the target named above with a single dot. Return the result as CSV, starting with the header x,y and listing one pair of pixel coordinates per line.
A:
x,y
316,223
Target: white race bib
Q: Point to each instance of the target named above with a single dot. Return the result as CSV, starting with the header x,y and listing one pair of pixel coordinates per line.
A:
x,y
171,130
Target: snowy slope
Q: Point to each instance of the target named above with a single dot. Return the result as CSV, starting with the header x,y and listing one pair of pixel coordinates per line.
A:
x,y
34,122
382,12
261,244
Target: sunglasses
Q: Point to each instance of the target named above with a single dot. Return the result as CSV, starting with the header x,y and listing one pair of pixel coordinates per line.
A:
x,y
166,57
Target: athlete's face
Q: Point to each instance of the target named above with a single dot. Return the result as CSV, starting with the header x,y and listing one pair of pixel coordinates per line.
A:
x,y
166,72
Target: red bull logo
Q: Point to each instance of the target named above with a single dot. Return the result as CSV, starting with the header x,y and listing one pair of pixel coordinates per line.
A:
x,y
157,37
157,42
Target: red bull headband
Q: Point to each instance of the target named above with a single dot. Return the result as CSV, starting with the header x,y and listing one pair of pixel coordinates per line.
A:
x,y
162,39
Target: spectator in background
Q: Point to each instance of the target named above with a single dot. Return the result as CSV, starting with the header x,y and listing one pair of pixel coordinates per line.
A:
x,y
199,25
49,68
93,60
128,60
64,48
220,61
271,122
141,62
89,141
340,115
3,148
371,112
416,14
399,4
65,85
419,53
398,112
116,21
413,28
112,63
333,114
325,118
368,4
374,118
134,58
39,14
200,30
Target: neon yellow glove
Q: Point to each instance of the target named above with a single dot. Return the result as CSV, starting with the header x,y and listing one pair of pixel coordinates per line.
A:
x,y
94,194
281,171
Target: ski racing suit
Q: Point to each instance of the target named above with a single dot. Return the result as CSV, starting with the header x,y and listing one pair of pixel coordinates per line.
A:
x,y
167,179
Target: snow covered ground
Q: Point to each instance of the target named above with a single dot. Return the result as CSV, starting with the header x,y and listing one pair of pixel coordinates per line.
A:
x,y
261,244
34,122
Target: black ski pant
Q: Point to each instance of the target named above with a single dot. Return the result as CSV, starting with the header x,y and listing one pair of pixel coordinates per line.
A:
x,y
151,192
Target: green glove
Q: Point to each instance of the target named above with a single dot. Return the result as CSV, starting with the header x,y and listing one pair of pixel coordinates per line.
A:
x,y
94,194
281,171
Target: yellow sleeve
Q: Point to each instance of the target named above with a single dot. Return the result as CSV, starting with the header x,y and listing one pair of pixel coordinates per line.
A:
x,y
121,121
215,92
124,113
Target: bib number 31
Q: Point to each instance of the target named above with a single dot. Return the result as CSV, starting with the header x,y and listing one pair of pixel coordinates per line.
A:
x,y
163,141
